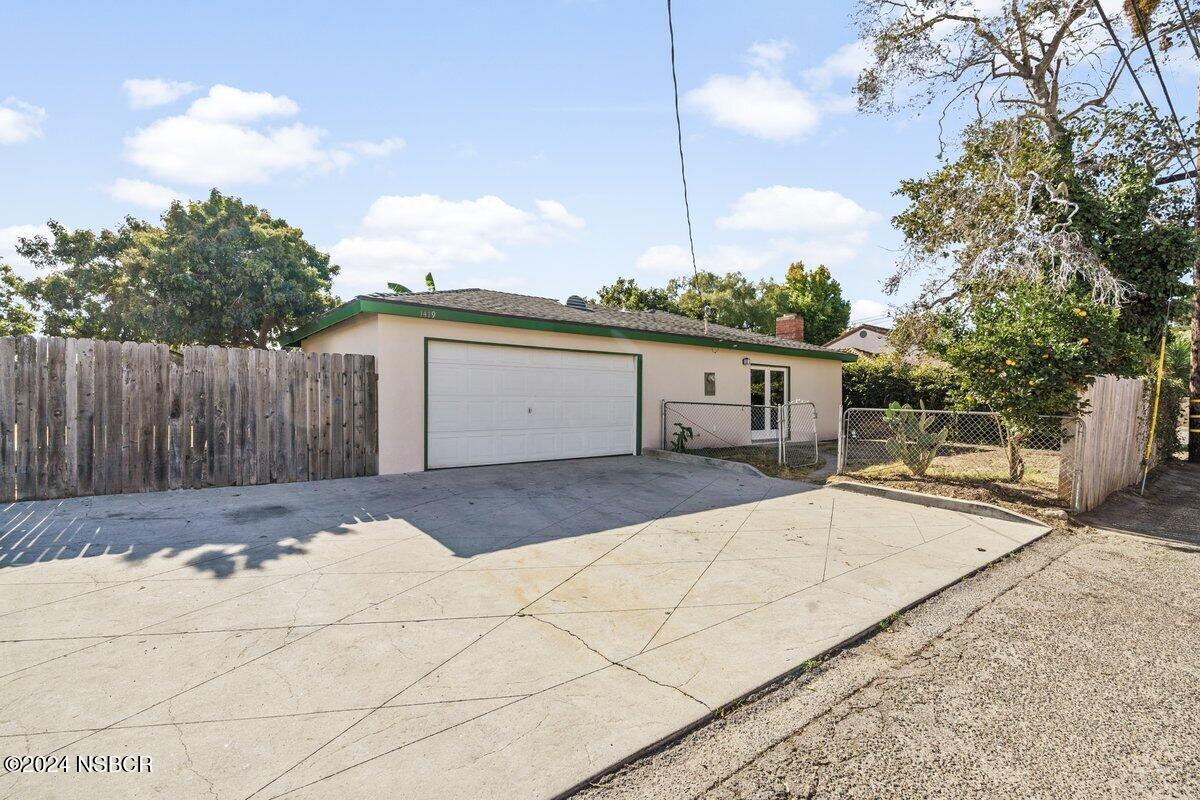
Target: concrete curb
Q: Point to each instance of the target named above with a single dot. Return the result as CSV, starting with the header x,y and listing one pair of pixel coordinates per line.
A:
x,y
708,461
936,501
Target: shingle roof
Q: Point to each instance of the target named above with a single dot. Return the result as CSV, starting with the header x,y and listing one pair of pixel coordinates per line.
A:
x,y
487,301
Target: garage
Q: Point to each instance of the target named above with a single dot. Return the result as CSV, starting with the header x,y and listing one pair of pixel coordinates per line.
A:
x,y
499,404
469,377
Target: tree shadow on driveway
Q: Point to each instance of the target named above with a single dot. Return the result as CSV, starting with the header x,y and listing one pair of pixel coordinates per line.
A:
x,y
223,532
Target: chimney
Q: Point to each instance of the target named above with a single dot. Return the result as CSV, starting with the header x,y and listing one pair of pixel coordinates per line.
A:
x,y
790,326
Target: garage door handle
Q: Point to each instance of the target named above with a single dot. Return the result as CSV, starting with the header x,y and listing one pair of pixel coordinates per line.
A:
x,y
530,409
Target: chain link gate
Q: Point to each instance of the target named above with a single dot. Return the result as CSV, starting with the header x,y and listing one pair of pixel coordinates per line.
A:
x,y
963,445
747,432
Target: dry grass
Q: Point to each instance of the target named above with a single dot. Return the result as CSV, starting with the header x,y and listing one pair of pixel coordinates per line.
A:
x,y
764,459
971,463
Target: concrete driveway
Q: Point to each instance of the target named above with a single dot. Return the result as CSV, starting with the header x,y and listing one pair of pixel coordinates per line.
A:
x,y
500,631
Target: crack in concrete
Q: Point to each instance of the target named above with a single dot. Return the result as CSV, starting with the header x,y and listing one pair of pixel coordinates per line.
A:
x,y
640,674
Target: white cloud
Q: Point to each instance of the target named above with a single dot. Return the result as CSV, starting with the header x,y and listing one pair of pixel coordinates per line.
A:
x,y
844,63
764,103
8,246
20,121
668,259
768,55
832,228
229,104
405,236
152,92
868,310
142,193
555,211
795,208
759,104
674,261
375,149
213,143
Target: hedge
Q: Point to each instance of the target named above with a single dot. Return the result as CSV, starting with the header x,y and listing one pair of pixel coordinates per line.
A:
x,y
876,382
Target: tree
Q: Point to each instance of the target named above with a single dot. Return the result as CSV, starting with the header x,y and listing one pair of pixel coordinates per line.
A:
x,y
15,317
1051,60
1030,351
813,295
624,293
91,288
226,272
731,300
218,271
1095,199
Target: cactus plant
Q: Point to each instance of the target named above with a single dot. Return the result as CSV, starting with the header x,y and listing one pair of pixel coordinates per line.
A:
x,y
913,441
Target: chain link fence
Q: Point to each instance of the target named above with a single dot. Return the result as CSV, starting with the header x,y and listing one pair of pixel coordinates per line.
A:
x,y
969,446
754,434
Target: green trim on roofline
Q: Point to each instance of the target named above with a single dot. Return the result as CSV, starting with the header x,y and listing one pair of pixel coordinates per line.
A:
x,y
367,306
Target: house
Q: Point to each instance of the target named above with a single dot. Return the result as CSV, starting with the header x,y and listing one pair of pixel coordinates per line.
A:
x,y
474,376
867,340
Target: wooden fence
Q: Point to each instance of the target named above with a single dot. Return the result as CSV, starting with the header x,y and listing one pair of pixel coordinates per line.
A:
x,y
1110,455
86,417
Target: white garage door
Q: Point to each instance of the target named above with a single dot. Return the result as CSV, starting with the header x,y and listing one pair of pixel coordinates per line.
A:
x,y
490,404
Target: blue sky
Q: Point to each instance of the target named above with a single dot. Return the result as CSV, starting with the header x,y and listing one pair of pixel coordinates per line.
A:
x,y
527,146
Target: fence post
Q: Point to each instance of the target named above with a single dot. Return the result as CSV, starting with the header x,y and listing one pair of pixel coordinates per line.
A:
x,y
664,425
779,435
843,425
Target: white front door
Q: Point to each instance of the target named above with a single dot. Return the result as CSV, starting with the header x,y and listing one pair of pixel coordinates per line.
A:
x,y
768,389
495,404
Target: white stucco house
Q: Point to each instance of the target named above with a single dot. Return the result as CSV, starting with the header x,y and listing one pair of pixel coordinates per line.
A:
x,y
868,340
473,376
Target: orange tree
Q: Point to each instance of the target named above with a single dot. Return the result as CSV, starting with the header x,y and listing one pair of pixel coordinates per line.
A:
x,y
1027,350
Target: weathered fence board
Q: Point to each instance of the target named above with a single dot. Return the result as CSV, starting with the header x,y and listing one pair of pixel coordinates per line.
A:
x,y
85,417
1114,438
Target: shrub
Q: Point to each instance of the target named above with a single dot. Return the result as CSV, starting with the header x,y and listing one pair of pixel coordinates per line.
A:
x,y
879,382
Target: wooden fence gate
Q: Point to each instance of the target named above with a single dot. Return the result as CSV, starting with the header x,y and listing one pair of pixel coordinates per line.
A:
x,y
86,417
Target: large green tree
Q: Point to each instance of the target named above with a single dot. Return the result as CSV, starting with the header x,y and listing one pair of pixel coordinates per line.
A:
x,y
625,294
735,301
89,286
1029,350
815,296
15,317
1091,198
731,299
218,271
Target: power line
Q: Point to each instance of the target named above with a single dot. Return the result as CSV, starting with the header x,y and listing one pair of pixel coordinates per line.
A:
x,y
1187,26
687,210
1161,81
1133,73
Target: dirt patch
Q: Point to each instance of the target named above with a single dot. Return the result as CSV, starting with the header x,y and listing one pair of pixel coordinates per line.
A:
x,y
1031,499
766,460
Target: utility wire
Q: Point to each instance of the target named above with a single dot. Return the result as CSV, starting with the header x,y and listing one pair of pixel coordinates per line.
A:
x,y
683,172
1142,23
1133,73
687,210
1188,27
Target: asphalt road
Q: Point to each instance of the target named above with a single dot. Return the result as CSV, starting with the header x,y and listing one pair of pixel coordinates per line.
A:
x,y
1071,669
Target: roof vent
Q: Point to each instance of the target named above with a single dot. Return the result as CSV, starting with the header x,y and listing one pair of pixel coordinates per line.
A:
x,y
575,301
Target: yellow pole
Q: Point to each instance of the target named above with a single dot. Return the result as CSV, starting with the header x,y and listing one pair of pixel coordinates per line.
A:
x,y
1162,361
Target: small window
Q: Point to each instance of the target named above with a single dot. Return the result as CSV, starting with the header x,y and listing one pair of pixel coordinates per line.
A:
x,y
862,334
710,384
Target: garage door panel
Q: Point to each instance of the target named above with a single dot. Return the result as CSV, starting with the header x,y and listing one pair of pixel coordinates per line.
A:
x,y
446,415
493,404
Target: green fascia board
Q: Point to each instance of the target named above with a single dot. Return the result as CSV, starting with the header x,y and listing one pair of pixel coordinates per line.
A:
x,y
363,305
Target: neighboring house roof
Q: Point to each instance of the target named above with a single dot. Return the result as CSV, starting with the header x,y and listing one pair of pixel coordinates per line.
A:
x,y
542,313
882,331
